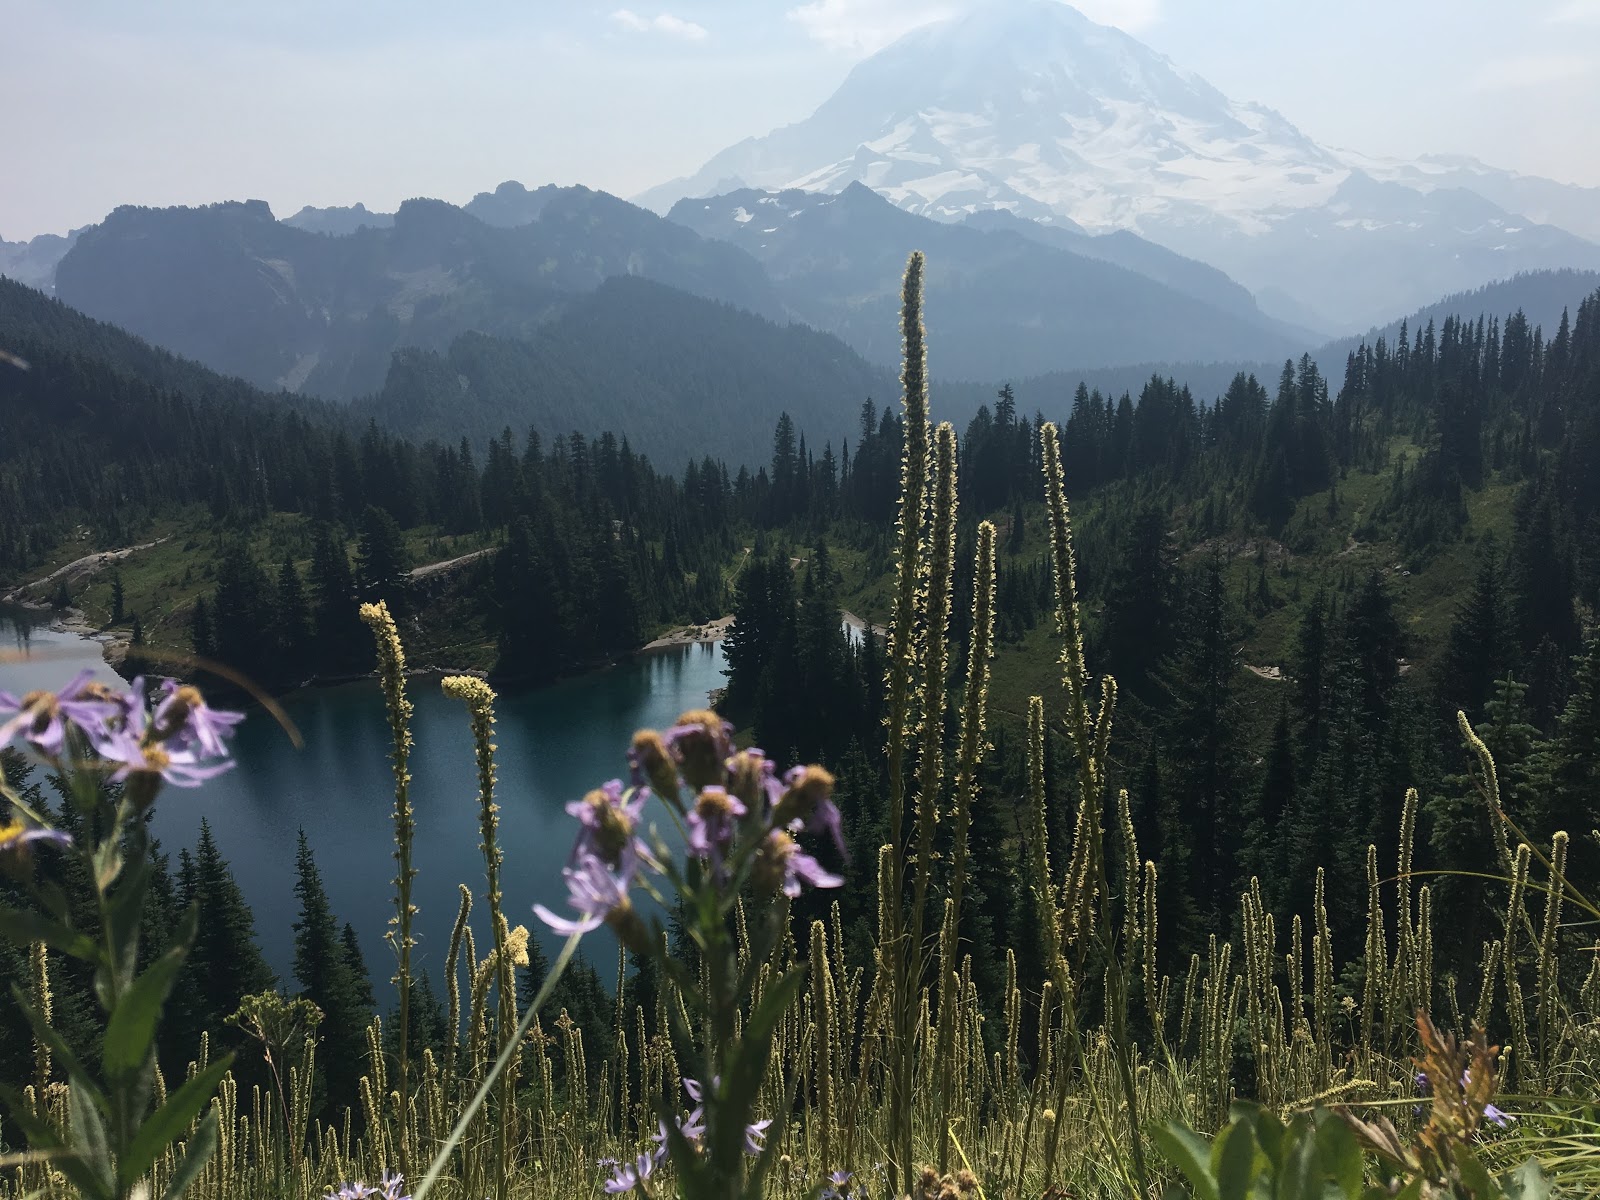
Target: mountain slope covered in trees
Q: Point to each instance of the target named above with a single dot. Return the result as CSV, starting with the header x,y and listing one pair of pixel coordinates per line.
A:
x,y
1001,302
680,376
284,307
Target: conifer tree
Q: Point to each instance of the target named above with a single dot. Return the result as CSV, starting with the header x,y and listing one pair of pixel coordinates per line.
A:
x,y
340,637
1571,802
244,613
225,964
1478,651
1199,739
381,559
292,631
323,969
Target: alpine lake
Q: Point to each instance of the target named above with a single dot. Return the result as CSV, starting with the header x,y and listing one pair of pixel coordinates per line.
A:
x,y
554,744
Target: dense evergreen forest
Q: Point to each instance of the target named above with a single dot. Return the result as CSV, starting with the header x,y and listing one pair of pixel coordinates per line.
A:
x,y
1297,586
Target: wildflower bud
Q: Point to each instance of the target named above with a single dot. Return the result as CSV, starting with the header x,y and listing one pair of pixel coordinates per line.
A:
x,y
652,762
772,864
630,929
175,711
808,788
701,742
966,1182
611,827
143,785
1049,1116
752,778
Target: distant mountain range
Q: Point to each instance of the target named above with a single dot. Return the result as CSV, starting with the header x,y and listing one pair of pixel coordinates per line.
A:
x,y
283,307
1029,107
320,302
1005,297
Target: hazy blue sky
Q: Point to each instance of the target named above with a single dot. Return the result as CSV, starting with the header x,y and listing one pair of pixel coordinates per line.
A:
x,y
333,101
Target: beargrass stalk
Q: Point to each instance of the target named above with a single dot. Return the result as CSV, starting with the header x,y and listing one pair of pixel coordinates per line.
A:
x,y
935,663
392,678
902,656
974,745
453,980
479,698
1545,988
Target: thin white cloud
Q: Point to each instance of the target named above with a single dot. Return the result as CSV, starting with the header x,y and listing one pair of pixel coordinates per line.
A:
x,y
663,23
1531,70
865,26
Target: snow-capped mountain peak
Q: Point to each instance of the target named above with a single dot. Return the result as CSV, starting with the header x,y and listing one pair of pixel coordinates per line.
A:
x,y
1031,107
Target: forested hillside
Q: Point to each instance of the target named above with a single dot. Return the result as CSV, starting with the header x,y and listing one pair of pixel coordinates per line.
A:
x,y
1296,587
682,376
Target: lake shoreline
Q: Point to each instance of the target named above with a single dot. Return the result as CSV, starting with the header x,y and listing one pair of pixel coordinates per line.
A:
x,y
116,645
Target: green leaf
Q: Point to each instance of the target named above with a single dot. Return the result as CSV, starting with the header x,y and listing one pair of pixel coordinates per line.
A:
x,y
168,1123
1188,1151
1298,1176
1475,1176
131,1030
1268,1129
26,928
1527,1182
1233,1160
195,1156
125,909
89,1141
59,1049
1339,1155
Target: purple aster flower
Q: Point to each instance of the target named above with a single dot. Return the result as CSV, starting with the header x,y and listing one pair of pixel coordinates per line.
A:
x,y
1497,1116
692,1126
782,865
700,744
354,1190
755,1137
838,1187
808,799
43,718
628,1175
754,778
17,837
595,890
132,755
606,819
184,720
712,823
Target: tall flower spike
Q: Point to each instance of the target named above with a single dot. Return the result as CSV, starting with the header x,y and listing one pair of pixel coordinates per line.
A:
x,y
479,698
902,656
935,667
974,745
392,677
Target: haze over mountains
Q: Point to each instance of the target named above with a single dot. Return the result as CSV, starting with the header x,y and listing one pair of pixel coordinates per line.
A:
x,y
1089,209
1028,106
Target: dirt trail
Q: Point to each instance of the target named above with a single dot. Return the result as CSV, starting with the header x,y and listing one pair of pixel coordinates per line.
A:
x,y
80,568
